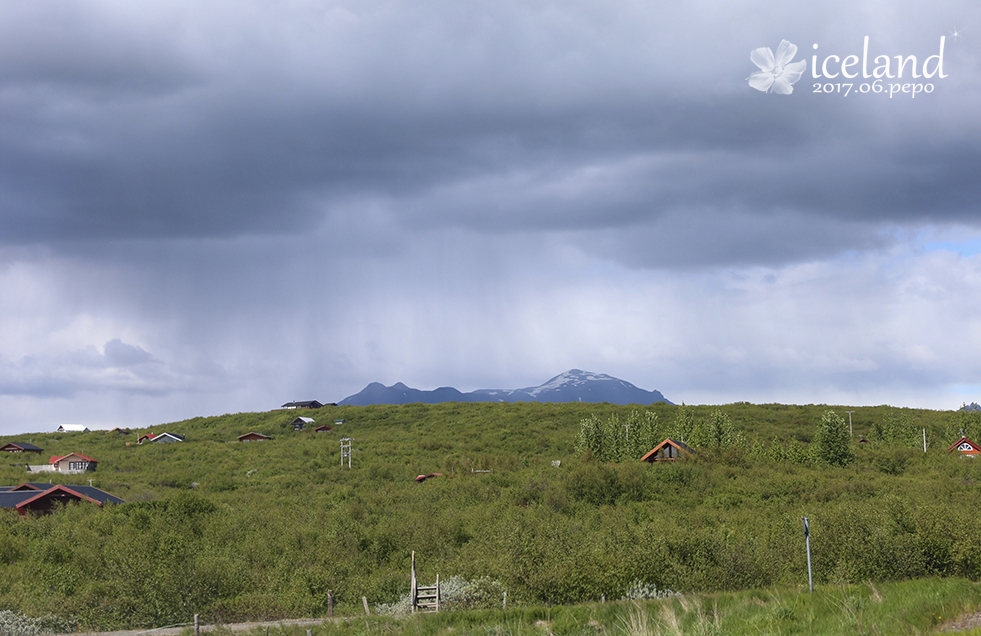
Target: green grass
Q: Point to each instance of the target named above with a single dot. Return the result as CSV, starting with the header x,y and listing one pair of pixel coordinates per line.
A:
x,y
263,530
909,607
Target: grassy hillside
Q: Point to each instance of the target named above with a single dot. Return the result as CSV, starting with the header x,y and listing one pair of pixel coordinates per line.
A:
x,y
264,529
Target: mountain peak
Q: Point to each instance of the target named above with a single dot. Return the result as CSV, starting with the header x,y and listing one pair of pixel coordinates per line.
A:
x,y
574,385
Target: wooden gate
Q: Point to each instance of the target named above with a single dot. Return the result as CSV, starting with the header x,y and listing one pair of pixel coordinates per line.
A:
x,y
424,598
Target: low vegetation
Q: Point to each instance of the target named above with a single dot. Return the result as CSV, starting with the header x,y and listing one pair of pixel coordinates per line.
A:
x,y
910,607
263,530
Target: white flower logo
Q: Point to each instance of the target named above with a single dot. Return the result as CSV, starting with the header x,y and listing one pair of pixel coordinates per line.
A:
x,y
777,75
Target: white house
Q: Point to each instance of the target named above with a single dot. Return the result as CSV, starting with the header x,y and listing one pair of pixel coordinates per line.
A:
x,y
72,428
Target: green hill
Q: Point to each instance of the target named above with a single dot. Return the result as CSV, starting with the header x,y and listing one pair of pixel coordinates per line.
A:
x,y
235,530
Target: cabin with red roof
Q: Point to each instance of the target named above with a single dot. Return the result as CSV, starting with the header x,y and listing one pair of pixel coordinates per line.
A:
x,y
72,463
323,428
668,450
965,447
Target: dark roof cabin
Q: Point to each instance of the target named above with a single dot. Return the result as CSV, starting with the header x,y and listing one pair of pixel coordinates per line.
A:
x,y
311,404
41,498
323,428
668,450
20,447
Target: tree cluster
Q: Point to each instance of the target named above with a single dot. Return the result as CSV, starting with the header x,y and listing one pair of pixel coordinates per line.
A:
x,y
622,440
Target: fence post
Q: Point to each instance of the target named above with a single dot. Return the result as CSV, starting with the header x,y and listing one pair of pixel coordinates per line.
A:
x,y
330,603
197,626
807,540
364,600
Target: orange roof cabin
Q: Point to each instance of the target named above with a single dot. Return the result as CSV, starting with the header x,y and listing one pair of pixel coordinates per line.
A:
x,y
668,450
323,428
73,463
253,437
965,447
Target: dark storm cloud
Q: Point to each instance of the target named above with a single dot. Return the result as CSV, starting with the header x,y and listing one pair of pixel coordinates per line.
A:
x,y
111,128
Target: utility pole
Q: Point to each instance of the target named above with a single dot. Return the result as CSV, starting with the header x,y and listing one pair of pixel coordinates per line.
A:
x,y
849,422
346,451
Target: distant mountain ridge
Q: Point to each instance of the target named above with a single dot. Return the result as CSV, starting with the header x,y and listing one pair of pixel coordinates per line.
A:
x,y
572,386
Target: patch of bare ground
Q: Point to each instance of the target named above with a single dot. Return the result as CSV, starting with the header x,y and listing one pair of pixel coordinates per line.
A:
x,y
962,623
234,627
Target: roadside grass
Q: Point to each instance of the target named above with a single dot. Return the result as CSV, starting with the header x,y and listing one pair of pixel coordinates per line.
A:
x,y
908,607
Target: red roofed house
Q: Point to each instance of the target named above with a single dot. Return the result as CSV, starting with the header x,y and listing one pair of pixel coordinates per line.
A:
x,y
323,428
668,450
73,463
965,447
145,437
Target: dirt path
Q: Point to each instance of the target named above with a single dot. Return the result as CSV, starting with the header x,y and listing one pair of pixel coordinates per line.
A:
x,y
235,627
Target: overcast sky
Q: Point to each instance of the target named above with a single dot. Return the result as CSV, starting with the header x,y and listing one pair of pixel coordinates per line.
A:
x,y
214,207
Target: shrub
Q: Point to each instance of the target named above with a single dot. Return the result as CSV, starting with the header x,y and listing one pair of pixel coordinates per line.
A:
x,y
831,441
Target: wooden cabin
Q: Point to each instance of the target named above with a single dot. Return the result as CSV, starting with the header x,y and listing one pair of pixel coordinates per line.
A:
x,y
668,450
20,447
72,463
301,423
965,447
253,437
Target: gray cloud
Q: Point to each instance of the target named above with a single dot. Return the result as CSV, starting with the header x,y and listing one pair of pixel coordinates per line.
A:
x,y
245,202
